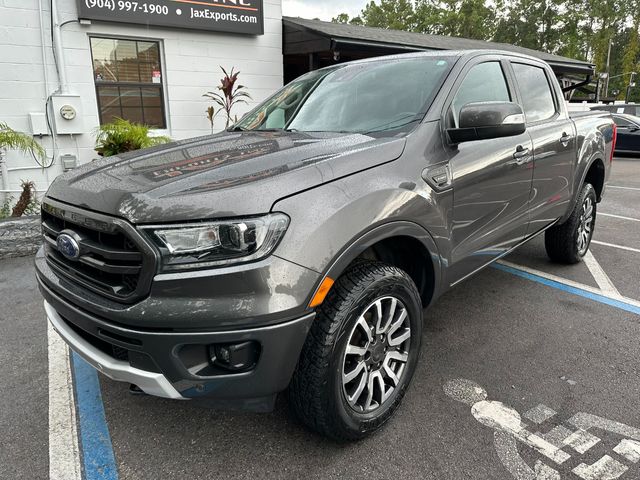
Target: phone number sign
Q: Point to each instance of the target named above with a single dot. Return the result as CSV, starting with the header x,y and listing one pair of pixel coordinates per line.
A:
x,y
235,16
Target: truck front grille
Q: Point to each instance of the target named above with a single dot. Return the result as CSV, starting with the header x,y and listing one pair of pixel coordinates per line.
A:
x,y
110,263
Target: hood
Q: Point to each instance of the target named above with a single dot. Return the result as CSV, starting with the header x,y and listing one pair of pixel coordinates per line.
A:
x,y
224,175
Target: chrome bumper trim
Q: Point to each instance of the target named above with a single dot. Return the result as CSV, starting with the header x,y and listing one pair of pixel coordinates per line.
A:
x,y
151,383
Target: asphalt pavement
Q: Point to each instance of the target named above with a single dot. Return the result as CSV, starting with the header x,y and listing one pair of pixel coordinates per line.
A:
x,y
530,338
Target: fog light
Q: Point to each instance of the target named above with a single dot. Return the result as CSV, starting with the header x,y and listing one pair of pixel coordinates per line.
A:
x,y
235,357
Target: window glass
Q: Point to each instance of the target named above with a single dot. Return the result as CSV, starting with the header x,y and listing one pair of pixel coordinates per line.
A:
x,y
128,80
485,82
621,122
536,93
382,96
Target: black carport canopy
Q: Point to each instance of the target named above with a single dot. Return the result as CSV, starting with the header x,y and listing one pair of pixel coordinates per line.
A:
x,y
311,44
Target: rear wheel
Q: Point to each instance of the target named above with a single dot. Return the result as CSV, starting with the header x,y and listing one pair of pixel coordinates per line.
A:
x,y
569,242
360,354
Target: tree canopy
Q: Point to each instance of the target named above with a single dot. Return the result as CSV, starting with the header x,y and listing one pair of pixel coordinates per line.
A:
x,y
580,29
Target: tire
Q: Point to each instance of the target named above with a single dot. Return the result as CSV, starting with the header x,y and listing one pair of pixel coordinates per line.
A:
x,y
563,242
318,394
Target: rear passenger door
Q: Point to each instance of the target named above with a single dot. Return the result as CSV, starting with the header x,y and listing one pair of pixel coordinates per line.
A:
x,y
554,144
490,186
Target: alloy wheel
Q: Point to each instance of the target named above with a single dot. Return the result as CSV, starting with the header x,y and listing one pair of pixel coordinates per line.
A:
x,y
376,354
585,226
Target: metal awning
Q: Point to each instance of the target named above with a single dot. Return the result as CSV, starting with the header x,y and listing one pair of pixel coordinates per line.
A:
x,y
330,40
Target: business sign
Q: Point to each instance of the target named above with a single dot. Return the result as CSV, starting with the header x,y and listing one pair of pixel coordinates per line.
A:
x,y
235,16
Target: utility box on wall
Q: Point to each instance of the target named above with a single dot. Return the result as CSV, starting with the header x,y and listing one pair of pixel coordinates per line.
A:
x,y
38,124
67,114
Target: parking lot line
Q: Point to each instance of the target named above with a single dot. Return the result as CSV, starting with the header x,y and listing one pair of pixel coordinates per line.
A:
x,y
621,247
623,188
64,454
97,451
622,303
600,276
619,216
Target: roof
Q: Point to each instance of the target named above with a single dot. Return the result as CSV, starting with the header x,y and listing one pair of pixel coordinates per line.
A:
x,y
370,36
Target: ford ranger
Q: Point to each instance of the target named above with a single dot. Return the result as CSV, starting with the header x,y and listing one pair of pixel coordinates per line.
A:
x,y
297,250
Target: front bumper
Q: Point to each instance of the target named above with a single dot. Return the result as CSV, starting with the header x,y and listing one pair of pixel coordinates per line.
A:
x,y
151,383
169,364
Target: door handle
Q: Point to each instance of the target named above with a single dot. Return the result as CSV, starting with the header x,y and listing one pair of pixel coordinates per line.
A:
x,y
565,139
521,155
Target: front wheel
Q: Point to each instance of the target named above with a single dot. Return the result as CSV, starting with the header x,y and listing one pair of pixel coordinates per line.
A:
x,y
360,354
569,242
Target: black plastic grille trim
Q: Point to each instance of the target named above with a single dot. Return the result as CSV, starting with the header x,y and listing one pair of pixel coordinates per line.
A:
x,y
110,263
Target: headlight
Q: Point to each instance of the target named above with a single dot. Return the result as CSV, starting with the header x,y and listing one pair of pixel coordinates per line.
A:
x,y
224,242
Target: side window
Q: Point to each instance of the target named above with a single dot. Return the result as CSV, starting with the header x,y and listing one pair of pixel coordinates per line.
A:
x,y
536,93
621,122
485,82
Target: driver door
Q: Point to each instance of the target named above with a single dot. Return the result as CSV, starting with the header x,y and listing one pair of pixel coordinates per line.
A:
x,y
491,186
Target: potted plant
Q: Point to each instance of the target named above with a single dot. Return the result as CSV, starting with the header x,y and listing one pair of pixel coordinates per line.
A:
x,y
121,136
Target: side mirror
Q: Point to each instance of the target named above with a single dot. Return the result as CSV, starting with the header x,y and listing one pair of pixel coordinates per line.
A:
x,y
485,120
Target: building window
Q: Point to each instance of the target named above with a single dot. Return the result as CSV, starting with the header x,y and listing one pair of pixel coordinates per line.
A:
x,y
128,77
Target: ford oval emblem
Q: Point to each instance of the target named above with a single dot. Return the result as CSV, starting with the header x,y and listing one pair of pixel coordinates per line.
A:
x,y
68,246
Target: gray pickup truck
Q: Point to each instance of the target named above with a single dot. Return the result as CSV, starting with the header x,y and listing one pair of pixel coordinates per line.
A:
x,y
297,250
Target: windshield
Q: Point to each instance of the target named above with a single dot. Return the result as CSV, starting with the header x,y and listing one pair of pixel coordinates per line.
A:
x,y
360,98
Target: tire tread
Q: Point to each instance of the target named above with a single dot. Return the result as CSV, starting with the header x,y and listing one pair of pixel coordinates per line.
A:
x,y
559,240
308,392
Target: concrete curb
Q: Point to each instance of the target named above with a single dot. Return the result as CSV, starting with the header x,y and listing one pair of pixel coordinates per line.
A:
x,y
20,237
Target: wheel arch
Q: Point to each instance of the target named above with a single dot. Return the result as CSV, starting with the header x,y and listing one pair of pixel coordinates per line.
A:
x,y
595,175
403,244
595,171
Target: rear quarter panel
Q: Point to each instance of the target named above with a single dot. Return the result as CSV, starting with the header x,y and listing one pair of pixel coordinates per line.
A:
x,y
594,142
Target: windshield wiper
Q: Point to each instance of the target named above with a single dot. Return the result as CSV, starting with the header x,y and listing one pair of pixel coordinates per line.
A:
x,y
258,130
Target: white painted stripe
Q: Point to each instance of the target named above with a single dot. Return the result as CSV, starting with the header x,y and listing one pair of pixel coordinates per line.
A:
x,y
581,441
600,276
613,245
623,188
629,449
64,454
606,468
618,216
565,281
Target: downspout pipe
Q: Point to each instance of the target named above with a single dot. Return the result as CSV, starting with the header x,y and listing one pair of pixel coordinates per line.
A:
x,y
4,172
57,48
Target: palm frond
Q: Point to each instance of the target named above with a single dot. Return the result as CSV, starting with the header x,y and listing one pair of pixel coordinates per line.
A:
x,y
12,140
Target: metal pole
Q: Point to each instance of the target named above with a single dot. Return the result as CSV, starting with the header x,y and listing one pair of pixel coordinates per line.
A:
x,y
631,83
4,172
606,82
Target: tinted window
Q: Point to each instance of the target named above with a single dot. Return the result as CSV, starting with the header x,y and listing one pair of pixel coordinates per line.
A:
x,y
536,93
621,122
484,83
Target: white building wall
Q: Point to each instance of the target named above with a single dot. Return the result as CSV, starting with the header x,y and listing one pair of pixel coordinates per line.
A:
x,y
191,67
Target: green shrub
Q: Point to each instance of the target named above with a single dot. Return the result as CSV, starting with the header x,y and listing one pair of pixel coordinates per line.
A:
x,y
5,208
122,136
